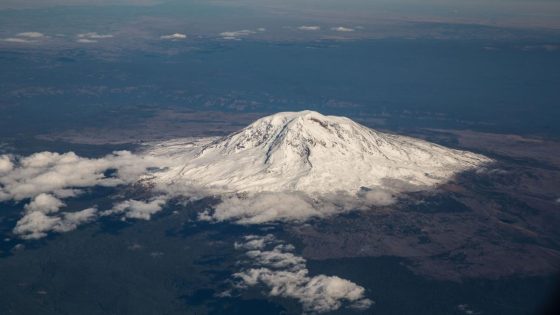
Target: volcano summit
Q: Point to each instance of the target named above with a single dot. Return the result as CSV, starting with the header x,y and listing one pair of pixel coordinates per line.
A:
x,y
311,153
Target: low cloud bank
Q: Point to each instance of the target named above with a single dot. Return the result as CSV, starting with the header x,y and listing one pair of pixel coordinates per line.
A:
x,y
263,207
46,178
273,264
49,172
293,206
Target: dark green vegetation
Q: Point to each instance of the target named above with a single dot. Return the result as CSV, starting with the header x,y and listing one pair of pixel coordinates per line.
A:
x,y
172,265
158,267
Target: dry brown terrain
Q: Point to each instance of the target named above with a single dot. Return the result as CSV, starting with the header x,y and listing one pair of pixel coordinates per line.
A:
x,y
496,222
164,125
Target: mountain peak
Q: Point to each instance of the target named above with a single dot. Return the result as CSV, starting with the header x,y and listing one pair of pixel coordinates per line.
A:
x,y
296,130
310,152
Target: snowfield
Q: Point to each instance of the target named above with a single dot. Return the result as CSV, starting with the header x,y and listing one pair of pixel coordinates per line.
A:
x,y
311,153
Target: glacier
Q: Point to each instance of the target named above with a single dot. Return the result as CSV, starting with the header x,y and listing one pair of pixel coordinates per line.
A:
x,y
311,153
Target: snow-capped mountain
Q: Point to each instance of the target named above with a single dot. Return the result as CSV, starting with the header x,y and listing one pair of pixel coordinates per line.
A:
x,y
309,152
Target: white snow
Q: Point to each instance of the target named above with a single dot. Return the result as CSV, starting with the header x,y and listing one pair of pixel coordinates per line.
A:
x,y
311,153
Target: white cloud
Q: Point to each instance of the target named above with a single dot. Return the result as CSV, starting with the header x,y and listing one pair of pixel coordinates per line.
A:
x,y
91,37
176,36
36,224
6,164
31,35
342,29
17,40
67,193
467,309
277,259
252,242
377,197
236,34
45,203
264,207
286,275
26,37
136,209
86,40
294,206
309,28
48,177
71,220
48,172
42,215
94,35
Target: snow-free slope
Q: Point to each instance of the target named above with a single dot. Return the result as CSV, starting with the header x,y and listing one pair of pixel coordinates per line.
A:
x,y
309,152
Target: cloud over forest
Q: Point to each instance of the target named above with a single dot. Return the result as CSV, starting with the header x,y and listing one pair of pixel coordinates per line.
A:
x,y
273,264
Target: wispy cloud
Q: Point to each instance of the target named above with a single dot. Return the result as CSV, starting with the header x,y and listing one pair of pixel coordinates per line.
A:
x,y
175,36
233,35
18,40
309,28
467,309
137,209
92,37
86,40
26,37
31,35
342,29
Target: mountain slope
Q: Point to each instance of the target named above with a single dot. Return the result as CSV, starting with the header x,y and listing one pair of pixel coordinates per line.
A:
x,y
309,152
